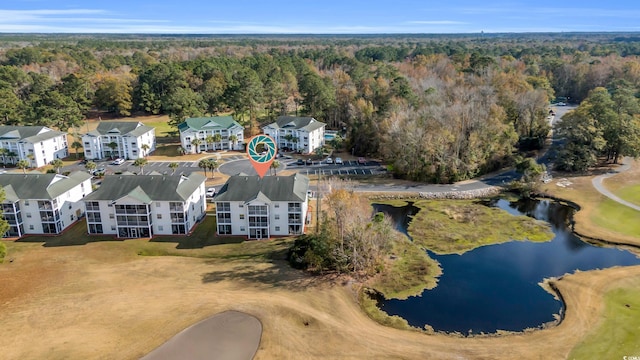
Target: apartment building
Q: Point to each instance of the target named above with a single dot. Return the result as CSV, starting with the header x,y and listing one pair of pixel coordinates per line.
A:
x,y
37,144
119,139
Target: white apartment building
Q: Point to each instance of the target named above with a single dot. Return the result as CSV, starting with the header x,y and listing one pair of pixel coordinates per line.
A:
x,y
206,129
259,208
304,134
43,203
129,139
37,144
141,206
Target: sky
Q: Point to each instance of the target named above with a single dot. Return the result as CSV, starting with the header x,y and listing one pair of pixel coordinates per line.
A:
x,y
316,16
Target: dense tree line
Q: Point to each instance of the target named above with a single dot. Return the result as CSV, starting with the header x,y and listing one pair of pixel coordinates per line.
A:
x,y
437,108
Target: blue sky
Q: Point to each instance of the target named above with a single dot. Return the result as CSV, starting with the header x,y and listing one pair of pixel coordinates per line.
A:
x,y
316,17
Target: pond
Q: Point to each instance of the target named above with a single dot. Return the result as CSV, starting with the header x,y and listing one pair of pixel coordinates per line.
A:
x,y
497,287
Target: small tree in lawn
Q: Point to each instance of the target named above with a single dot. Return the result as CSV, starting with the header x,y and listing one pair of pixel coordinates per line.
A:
x,y
12,155
76,145
113,146
203,164
181,151
90,165
145,149
31,157
140,162
212,165
173,166
57,164
4,153
24,165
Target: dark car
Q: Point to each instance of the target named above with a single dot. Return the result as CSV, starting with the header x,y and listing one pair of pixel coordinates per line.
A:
x,y
362,161
300,162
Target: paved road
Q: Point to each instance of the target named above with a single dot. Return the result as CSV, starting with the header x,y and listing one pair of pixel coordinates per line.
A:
x,y
598,185
233,166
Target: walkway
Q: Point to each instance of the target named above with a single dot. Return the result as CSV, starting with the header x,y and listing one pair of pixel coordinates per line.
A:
x,y
597,183
229,335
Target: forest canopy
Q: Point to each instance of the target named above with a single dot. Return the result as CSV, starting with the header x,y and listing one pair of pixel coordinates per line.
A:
x,y
436,108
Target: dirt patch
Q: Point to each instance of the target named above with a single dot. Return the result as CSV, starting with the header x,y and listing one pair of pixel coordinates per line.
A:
x,y
99,301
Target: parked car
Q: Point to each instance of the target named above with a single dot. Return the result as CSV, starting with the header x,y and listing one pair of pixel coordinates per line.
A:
x,y
338,160
309,162
300,162
98,171
362,161
329,160
561,104
118,161
211,192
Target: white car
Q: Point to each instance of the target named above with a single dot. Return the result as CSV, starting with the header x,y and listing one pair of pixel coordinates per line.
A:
x,y
210,192
118,162
329,161
338,160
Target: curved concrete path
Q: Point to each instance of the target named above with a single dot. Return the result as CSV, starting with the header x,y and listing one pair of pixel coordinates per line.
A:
x,y
597,183
229,335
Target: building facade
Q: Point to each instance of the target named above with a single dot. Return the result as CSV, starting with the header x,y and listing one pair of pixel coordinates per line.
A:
x,y
43,203
212,133
141,206
303,134
37,144
119,139
260,208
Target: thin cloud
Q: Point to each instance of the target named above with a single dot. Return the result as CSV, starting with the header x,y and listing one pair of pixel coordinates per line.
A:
x,y
435,22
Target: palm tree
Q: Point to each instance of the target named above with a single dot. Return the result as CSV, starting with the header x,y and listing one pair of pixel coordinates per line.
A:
x,y
203,164
212,165
181,150
4,152
112,146
90,165
76,145
31,157
24,165
57,164
209,140
275,165
234,139
12,155
140,162
145,148
216,139
196,143
173,166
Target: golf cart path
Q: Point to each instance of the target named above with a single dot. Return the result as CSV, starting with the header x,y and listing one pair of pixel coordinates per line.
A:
x,y
229,335
597,183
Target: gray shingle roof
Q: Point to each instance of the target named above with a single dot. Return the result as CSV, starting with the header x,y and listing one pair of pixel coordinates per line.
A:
x,y
147,188
29,133
209,123
275,188
39,186
121,128
297,123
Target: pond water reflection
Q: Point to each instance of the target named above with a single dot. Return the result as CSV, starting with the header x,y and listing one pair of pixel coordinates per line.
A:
x,y
496,287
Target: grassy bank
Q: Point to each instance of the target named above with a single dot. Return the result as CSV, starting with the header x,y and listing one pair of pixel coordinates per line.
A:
x,y
455,227
629,193
617,336
617,217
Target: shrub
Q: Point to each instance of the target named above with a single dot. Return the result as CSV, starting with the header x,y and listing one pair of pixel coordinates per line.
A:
x,y
3,252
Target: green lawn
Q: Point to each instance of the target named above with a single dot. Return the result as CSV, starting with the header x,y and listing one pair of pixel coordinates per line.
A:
x,y
457,226
619,335
630,193
617,217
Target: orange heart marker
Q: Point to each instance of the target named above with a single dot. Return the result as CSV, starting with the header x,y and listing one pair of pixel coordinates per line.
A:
x,y
262,151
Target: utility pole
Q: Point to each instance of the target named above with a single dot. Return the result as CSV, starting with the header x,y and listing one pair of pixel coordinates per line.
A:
x,y
318,196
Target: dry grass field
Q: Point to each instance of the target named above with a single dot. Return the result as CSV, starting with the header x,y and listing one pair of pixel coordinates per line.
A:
x,y
102,300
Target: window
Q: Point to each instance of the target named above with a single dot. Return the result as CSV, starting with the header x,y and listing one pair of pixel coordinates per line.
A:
x,y
276,206
277,228
241,216
158,205
241,228
28,215
113,227
30,227
160,228
111,216
223,206
26,202
159,216
224,229
277,217
241,205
